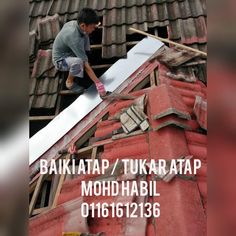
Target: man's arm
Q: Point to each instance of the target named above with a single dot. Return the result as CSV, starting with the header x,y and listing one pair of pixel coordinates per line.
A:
x,y
100,87
90,72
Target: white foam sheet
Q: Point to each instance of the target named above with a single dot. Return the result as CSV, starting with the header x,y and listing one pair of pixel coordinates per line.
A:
x,y
112,78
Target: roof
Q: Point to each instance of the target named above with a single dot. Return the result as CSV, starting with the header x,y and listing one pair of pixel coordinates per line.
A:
x,y
183,201
185,21
175,132
113,79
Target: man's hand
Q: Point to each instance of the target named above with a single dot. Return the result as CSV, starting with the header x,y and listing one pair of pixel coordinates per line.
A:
x,y
100,88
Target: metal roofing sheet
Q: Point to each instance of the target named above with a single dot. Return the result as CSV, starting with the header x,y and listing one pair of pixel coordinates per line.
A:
x,y
112,78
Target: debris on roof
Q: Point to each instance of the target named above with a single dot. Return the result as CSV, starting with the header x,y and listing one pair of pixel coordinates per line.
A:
x,y
200,110
174,57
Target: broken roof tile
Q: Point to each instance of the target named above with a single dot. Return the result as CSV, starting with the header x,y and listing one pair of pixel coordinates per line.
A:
x,y
173,57
166,143
165,100
200,110
170,120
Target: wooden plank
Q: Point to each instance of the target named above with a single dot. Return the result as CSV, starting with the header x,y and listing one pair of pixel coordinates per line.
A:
x,y
32,187
58,105
35,194
38,118
99,46
103,142
152,79
86,136
157,77
67,92
43,196
93,156
61,181
74,234
195,63
39,210
81,141
89,149
169,41
156,31
119,136
54,184
105,66
142,84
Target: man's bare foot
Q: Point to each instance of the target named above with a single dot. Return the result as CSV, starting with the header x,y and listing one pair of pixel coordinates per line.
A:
x,y
69,84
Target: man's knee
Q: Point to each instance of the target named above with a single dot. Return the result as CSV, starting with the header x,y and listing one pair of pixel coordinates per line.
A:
x,y
76,66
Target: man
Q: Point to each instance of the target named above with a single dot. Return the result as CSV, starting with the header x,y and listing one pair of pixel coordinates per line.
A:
x,y
69,50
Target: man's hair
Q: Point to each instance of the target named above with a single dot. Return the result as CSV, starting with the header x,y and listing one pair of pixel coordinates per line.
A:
x,y
87,16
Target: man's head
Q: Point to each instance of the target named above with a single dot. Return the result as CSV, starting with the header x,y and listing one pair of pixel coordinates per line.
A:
x,y
88,20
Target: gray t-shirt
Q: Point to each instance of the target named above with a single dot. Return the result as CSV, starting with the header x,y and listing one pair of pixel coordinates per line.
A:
x,y
71,41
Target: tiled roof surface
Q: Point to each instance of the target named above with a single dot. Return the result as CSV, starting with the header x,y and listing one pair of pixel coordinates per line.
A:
x,y
185,19
183,201
44,81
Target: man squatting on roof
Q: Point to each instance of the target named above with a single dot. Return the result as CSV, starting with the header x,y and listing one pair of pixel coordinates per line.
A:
x,y
70,47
